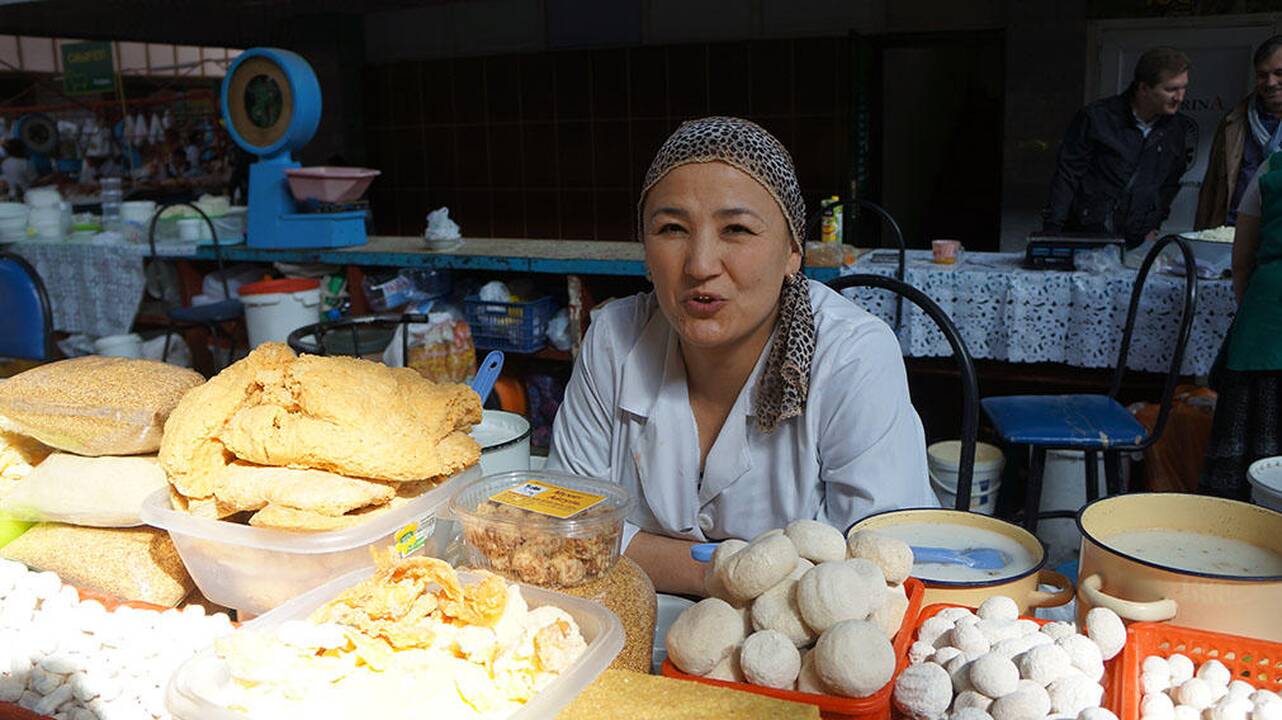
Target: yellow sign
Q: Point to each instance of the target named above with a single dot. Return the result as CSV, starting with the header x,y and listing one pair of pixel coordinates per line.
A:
x,y
547,499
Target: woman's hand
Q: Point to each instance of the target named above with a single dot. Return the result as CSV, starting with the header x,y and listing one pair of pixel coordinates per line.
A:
x,y
668,563
1246,241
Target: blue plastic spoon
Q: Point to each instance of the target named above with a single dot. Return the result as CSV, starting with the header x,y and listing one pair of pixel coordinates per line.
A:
x,y
703,551
487,374
978,558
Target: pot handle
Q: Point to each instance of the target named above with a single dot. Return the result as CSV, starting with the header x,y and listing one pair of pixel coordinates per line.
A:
x,y
1062,595
1155,611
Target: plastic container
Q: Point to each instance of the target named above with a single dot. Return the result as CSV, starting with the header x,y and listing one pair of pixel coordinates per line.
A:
x,y
836,707
1257,662
519,327
112,195
135,217
128,345
531,545
330,184
1266,482
42,197
276,308
943,460
190,687
670,608
504,438
256,569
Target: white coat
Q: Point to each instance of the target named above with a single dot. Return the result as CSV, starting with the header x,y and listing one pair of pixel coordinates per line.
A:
x,y
858,449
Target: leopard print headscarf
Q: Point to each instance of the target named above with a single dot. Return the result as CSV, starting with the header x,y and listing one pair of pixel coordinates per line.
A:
x,y
782,392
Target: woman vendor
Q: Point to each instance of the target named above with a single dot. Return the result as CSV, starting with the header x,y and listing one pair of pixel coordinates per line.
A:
x,y
738,396
1246,427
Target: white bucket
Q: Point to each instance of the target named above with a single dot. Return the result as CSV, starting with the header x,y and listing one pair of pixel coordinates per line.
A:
x,y
135,218
504,438
944,459
1266,482
129,345
272,316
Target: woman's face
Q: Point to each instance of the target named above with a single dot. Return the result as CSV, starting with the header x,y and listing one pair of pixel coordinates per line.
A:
x,y
718,248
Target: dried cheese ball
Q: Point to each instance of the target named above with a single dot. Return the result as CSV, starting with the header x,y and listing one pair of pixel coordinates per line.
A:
x,y
1181,669
953,614
1157,706
1096,713
1187,712
832,592
703,635
729,669
1085,655
1028,703
923,692
770,659
890,616
1058,629
1045,664
776,609
892,555
994,675
999,607
1107,630
1194,692
970,714
998,630
808,680
945,655
1156,665
1071,694
933,628
969,640
764,563
920,652
1232,708
855,659
972,699
817,542
1155,682
1241,688
1214,672
959,670
713,577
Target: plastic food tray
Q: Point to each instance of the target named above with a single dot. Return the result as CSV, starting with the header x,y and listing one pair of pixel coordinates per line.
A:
x,y
1114,688
1258,662
256,569
834,707
187,695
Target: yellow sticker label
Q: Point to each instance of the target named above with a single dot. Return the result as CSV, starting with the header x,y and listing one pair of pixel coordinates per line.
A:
x,y
547,499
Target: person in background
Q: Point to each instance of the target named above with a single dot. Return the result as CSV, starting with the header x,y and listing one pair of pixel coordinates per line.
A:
x,y
1121,160
1246,136
16,170
1246,425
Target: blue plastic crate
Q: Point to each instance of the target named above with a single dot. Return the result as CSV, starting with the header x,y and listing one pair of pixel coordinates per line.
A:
x,y
519,327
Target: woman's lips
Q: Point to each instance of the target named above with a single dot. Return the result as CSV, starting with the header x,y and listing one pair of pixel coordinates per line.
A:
x,y
702,305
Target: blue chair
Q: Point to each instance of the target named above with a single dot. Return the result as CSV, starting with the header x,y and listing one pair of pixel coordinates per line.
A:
x,y
212,315
1094,424
26,324
966,366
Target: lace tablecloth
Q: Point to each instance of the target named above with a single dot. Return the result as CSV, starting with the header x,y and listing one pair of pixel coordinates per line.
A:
x,y
93,289
1005,312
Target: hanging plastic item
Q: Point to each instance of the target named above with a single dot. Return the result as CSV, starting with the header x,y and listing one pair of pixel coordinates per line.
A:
x,y
157,132
167,120
140,130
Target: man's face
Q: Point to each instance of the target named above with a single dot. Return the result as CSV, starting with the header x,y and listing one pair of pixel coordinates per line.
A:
x,y
1268,82
1165,97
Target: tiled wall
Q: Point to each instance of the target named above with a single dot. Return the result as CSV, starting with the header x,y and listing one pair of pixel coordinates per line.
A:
x,y
555,145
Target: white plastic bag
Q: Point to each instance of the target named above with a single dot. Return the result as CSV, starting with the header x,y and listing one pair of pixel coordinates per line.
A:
x,y
559,330
440,228
98,492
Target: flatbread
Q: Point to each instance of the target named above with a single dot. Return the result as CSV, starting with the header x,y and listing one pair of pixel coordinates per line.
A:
x,y
244,486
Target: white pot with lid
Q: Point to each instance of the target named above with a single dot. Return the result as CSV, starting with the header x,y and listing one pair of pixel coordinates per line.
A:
x,y
504,438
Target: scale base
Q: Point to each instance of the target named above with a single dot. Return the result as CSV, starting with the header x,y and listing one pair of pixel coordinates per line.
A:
x,y
312,230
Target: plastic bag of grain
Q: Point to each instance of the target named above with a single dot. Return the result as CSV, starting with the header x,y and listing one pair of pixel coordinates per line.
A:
x,y
93,491
95,405
129,563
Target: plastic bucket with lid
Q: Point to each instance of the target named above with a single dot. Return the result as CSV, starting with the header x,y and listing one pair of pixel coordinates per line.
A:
x,y
1266,482
128,345
504,438
275,308
944,459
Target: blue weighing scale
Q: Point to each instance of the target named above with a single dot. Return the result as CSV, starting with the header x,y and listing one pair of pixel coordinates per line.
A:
x,y
40,134
271,106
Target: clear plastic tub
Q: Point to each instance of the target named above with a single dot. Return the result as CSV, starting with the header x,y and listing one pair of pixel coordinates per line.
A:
x,y
193,691
532,546
256,569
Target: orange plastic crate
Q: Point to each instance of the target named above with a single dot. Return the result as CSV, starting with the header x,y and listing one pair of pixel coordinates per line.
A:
x,y
1114,687
835,707
1258,662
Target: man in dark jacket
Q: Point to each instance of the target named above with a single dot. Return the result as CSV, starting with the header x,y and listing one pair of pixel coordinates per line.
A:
x,y
1121,160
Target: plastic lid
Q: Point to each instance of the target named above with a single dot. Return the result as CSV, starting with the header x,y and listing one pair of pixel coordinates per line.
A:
x,y
286,285
617,502
1266,474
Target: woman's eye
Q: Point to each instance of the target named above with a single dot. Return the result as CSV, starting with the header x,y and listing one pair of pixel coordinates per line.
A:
x,y
670,228
738,230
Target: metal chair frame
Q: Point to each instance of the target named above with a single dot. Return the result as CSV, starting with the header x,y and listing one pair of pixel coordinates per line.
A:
x,y
890,221
319,330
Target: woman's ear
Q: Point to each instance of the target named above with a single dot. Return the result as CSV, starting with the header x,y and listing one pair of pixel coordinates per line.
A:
x,y
794,261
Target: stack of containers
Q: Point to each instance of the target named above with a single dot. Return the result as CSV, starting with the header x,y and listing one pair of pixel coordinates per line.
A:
x,y
112,195
49,216
13,222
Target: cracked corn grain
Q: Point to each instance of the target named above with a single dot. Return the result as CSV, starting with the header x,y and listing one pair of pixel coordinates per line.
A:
x,y
627,591
130,563
95,405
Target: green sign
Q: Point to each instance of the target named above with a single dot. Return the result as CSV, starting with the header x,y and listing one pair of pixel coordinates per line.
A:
x,y
87,68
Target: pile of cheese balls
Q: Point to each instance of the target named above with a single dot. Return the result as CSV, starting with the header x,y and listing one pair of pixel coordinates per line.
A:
x,y
74,660
1173,691
992,665
804,608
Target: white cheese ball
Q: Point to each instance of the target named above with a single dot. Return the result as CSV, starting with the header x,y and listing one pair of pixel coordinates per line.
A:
x,y
945,655
970,714
1241,688
1181,668
1107,630
1084,654
923,692
830,593
1187,712
1016,646
920,652
1071,694
953,614
969,640
1058,629
1156,665
703,635
1266,710
808,680
889,618
1194,692
971,699
999,607
770,659
893,556
1027,627
817,542
959,671
714,573
999,630
1027,703
1214,672
1155,682
1157,706
1045,664
764,563
853,658
729,669
776,609
1232,708
933,628
1096,713
994,675
1264,696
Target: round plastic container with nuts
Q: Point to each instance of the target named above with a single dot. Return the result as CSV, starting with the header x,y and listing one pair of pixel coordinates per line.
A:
x,y
542,528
